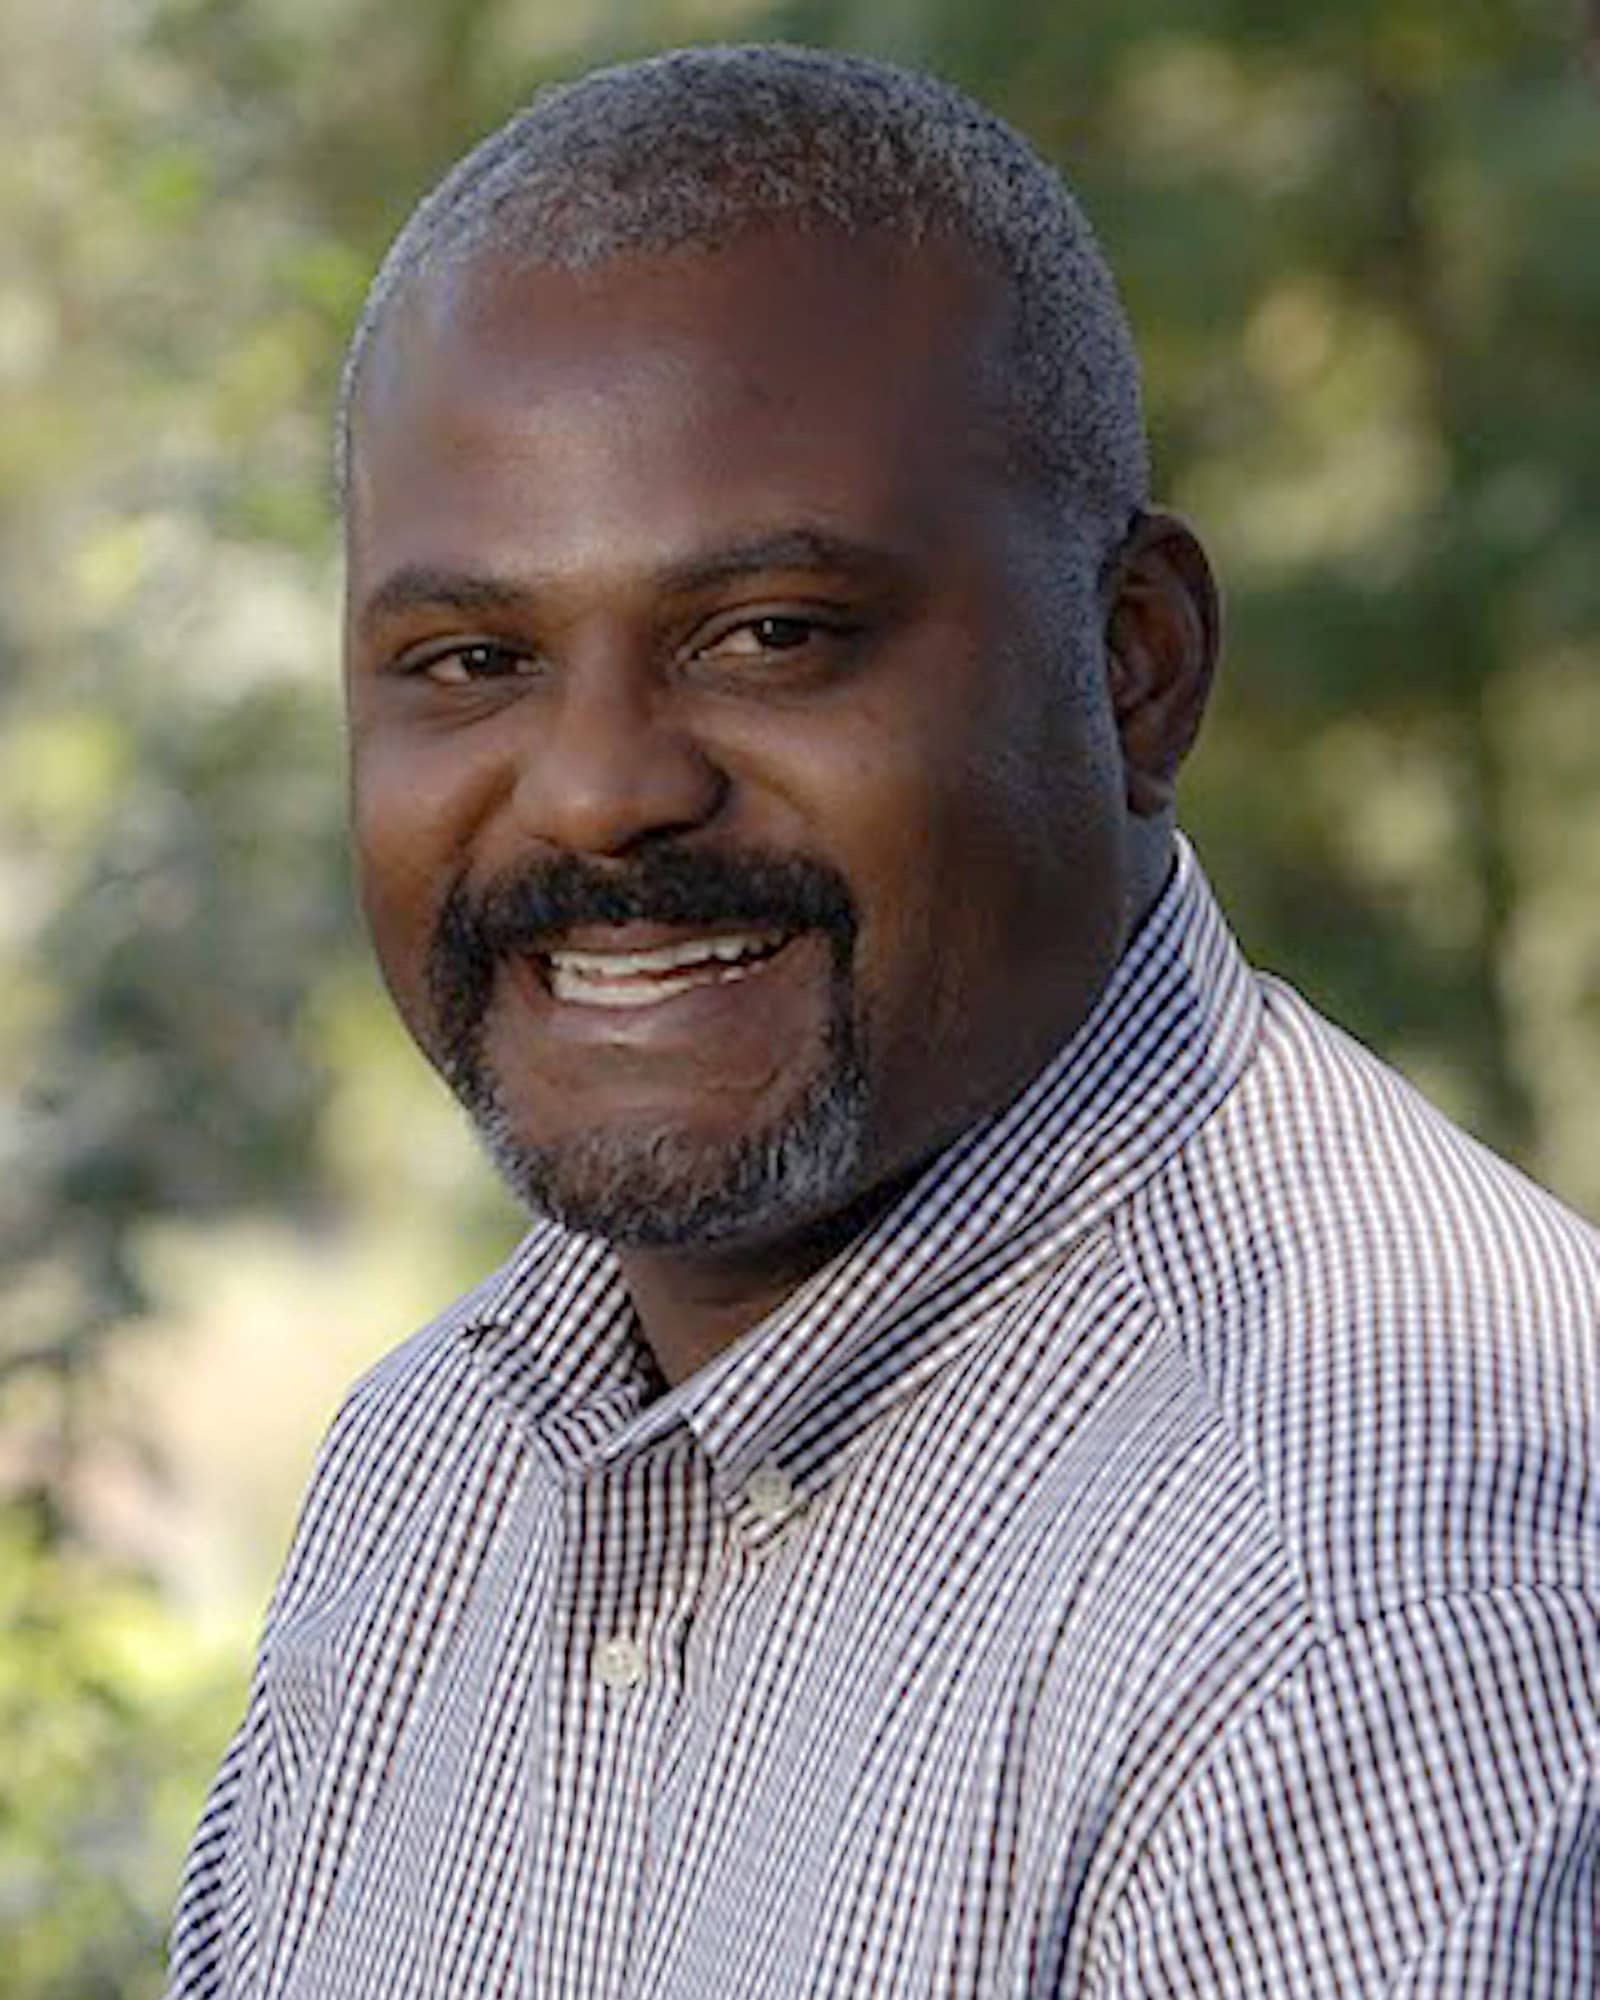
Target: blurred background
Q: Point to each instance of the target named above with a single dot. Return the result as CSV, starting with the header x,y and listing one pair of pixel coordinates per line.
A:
x,y
1358,241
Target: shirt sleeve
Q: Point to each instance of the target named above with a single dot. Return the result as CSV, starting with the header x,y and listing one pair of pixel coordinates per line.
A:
x,y
1417,1814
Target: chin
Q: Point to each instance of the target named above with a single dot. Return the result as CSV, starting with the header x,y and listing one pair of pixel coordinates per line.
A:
x,y
661,1187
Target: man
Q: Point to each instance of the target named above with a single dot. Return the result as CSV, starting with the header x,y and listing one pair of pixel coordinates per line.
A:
x,y
1014,1460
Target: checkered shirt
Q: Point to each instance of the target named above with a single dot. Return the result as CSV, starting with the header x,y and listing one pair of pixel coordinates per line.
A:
x,y
1159,1558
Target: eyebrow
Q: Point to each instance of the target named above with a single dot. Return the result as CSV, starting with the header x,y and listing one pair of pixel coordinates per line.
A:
x,y
424,587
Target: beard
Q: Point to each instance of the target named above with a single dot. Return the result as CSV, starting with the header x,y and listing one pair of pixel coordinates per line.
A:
x,y
654,1185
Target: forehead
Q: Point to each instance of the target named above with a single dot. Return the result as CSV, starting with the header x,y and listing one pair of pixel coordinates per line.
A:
x,y
842,373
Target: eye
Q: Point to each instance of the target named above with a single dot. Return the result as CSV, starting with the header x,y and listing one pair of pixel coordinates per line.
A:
x,y
482,660
774,634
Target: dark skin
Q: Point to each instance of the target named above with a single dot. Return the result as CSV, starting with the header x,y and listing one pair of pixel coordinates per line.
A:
x,y
727,550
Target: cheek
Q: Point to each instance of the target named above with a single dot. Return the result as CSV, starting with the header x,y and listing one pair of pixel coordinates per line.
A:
x,y
405,867
903,836
418,801
977,888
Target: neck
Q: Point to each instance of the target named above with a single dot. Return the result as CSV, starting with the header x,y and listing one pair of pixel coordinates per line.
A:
x,y
1154,855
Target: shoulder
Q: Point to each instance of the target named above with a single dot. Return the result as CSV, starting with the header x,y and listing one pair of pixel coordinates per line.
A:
x,y
405,1430
1400,1335
1336,1168
1401,1331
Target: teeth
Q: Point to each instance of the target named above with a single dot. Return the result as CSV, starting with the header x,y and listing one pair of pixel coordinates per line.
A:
x,y
644,978
663,958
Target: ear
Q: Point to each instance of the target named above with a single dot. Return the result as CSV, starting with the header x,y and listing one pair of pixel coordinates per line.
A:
x,y
1163,631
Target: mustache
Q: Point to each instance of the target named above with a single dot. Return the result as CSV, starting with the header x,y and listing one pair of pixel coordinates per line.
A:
x,y
527,910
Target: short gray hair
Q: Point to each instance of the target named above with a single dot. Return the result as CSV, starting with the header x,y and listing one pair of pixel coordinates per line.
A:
x,y
690,148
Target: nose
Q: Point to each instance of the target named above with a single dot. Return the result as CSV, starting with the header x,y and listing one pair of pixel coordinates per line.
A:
x,y
608,767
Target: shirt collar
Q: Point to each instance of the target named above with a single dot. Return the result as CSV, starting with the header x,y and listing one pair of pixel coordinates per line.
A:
x,y
1166,1041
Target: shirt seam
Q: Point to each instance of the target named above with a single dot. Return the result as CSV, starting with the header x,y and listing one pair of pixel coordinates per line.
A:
x,y
1585,1770
1277,1703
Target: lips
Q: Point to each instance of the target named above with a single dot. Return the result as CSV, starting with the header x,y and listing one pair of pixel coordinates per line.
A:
x,y
638,957
616,977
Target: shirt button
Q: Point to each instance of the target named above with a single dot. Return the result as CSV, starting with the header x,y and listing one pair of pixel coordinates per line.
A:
x,y
619,1662
770,1493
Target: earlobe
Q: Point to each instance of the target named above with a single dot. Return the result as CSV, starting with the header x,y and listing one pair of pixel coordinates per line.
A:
x,y
1163,629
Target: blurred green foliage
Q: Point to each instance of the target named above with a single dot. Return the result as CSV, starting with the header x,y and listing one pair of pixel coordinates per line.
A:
x,y
1357,242
108,1710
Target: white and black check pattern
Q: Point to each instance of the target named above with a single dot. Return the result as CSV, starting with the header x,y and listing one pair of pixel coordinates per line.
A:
x,y
1159,1559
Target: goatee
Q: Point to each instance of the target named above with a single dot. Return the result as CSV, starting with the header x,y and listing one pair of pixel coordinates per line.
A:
x,y
656,1185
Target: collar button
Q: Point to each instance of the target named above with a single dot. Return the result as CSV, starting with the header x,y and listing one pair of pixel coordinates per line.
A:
x,y
770,1493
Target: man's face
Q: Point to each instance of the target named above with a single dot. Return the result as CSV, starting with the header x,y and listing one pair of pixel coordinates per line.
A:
x,y
739,811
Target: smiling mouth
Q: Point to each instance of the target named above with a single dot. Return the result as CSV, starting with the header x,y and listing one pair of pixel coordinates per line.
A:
x,y
605,978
